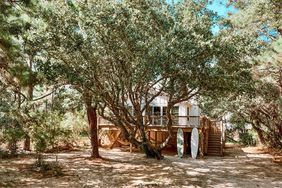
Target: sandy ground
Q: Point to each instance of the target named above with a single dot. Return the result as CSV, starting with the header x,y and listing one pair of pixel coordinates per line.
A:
x,y
240,167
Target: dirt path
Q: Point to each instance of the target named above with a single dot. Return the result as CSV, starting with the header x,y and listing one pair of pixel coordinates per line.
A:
x,y
245,167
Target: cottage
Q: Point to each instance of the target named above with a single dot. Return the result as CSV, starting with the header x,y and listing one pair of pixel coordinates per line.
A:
x,y
186,116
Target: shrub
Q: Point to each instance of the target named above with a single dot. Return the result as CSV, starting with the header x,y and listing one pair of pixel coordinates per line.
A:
x,y
247,139
12,134
49,133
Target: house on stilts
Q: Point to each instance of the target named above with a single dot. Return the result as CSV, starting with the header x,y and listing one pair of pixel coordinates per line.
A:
x,y
186,116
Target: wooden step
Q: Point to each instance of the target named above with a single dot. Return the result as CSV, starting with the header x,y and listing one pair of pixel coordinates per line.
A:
x,y
214,139
214,143
211,138
214,150
214,136
214,146
214,154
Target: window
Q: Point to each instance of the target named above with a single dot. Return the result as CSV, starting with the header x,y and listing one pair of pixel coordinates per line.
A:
x,y
156,118
175,113
156,110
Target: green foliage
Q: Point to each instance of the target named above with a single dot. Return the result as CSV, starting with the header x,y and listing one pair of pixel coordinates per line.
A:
x,y
258,18
48,133
259,103
133,51
11,123
13,134
247,139
77,123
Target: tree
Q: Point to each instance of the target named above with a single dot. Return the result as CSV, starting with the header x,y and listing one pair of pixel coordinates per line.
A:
x,y
260,103
12,69
127,53
258,17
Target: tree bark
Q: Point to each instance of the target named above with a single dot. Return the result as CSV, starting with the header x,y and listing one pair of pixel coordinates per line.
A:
x,y
93,127
26,146
27,140
150,151
92,119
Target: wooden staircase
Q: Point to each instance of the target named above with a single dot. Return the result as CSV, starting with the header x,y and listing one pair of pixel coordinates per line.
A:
x,y
215,141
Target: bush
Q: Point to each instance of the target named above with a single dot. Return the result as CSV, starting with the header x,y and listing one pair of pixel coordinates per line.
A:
x,y
247,139
49,133
12,135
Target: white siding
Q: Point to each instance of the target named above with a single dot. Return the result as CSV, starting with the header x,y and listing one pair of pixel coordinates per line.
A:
x,y
183,112
194,111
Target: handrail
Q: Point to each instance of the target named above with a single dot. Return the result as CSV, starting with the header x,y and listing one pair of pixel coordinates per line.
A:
x,y
156,120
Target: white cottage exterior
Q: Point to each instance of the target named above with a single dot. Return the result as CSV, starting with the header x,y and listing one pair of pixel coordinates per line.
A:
x,y
185,113
186,116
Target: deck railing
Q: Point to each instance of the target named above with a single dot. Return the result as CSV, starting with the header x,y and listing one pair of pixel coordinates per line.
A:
x,y
185,121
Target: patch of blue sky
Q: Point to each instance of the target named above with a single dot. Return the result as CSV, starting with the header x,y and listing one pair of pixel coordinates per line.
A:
x,y
222,10
218,6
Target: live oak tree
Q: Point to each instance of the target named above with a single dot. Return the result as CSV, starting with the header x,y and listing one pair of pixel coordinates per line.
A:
x,y
258,17
260,105
126,53
260,102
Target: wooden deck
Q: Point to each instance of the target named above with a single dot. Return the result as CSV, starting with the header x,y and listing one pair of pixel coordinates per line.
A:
x,y
211,134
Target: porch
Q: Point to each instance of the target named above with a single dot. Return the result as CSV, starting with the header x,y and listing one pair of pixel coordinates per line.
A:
x,y
211,133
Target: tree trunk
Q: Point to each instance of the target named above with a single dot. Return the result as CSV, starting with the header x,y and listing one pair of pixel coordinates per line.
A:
x,y
12,146
144,145
93,126
27,141
150,151
92,119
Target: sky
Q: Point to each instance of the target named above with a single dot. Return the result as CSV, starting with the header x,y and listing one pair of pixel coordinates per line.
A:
x,y
218,6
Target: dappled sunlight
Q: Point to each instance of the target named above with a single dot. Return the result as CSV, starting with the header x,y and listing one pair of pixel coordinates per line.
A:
x,y
125,169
